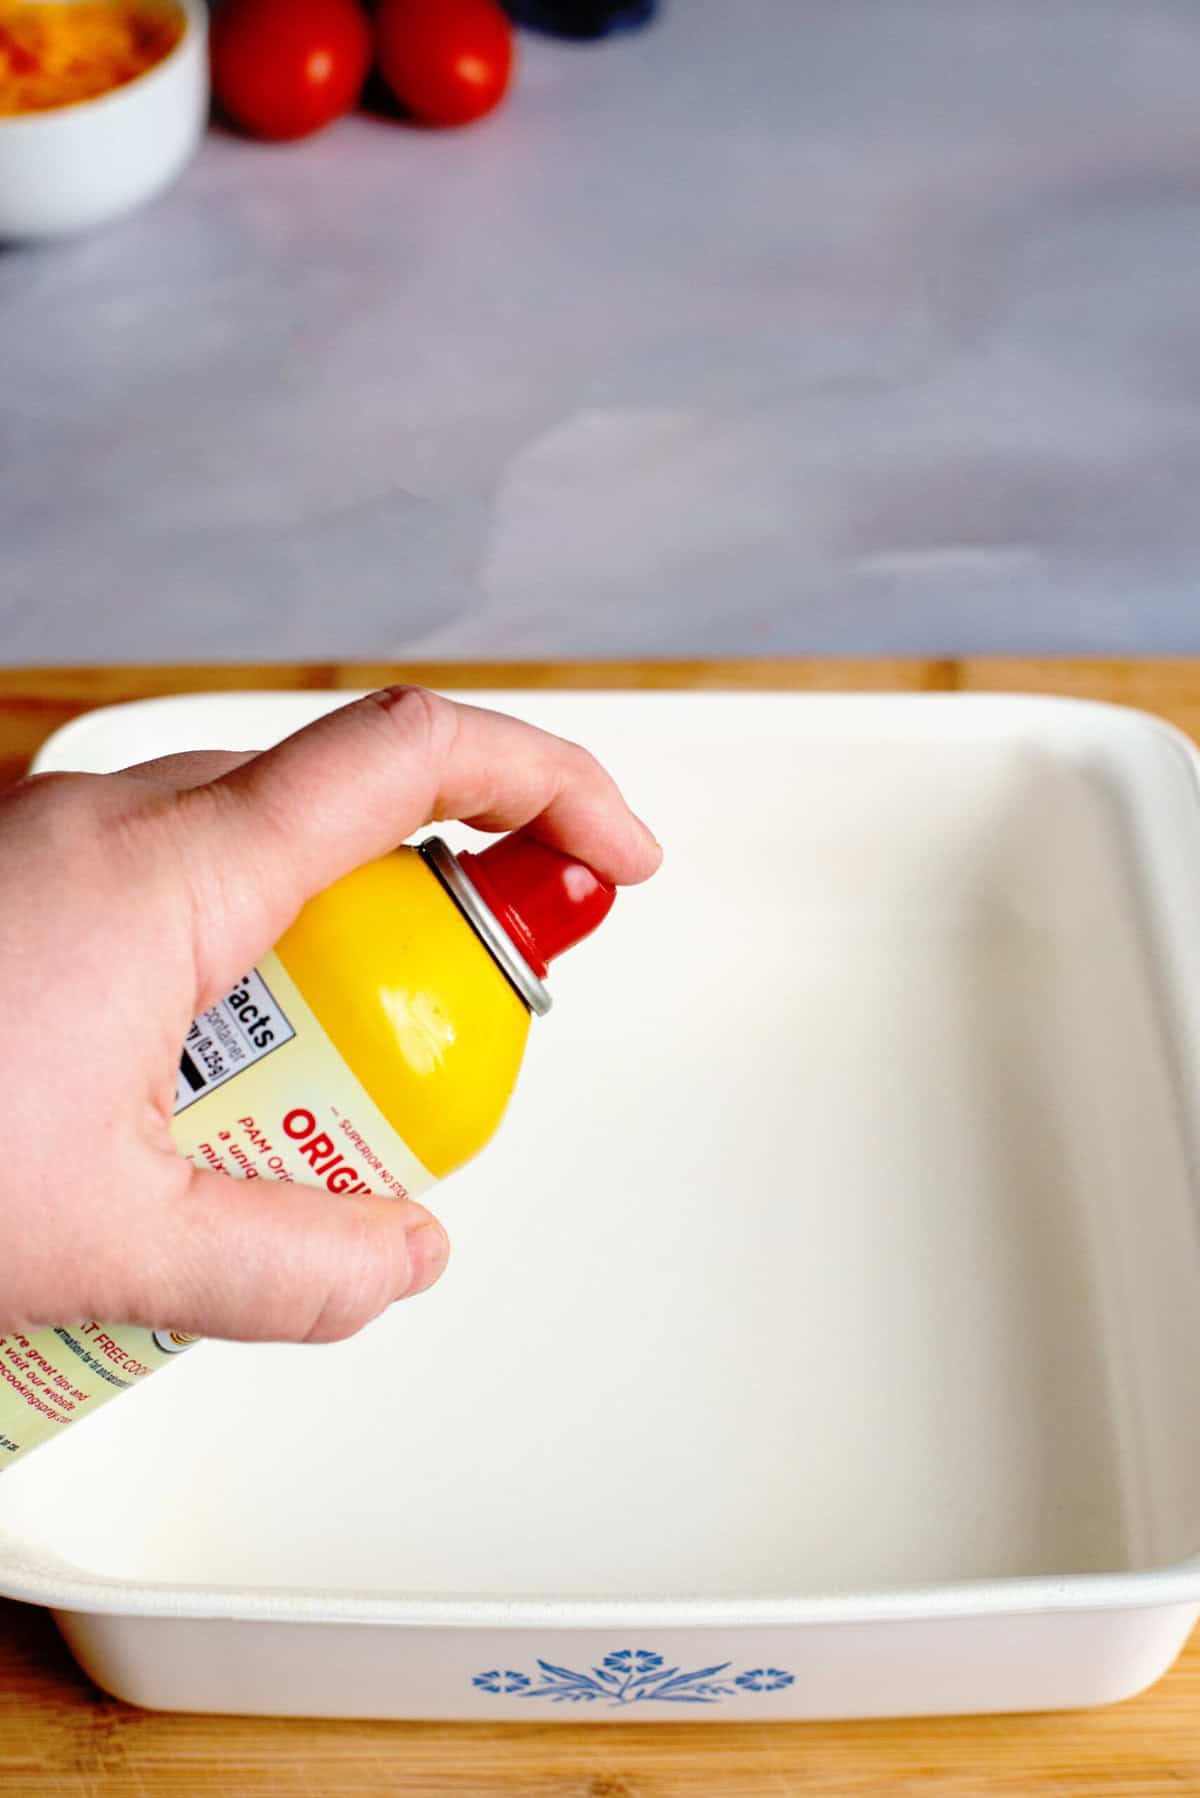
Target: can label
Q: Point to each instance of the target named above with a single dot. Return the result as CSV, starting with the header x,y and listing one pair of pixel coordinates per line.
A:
x,y
261,1094
230,1037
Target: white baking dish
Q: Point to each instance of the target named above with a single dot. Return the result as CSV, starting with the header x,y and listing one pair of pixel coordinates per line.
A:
x,y
823,1332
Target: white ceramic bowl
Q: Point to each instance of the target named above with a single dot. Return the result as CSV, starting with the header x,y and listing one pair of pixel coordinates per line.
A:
x,y
75,167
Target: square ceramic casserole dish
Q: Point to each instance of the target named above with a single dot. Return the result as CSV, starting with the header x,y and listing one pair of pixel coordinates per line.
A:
x,y
822,1336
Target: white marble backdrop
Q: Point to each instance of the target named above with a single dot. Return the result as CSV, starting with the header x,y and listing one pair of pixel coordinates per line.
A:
x,y
786,326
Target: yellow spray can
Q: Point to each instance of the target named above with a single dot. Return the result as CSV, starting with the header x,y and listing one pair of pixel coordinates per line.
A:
x,y
373,1050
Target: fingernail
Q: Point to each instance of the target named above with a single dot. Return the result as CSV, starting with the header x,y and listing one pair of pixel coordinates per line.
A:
x,y
428,1252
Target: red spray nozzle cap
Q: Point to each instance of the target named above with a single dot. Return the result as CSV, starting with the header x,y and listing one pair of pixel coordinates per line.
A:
x,y
545,901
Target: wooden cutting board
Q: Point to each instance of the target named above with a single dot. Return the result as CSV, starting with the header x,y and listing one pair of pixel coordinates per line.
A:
x,y
59,1736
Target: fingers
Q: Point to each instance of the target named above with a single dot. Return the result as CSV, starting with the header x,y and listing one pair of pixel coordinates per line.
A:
x,y
360,780
254,1261
192,768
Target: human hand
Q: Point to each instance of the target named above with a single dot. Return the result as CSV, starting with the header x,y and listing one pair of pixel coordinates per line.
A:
x,y
128,904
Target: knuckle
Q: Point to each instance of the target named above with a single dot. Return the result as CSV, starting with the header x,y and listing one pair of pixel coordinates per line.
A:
x,y
188,824
206,817
584,762
424,720
370,1276
62,802
578,769
203,813
77,825
217,806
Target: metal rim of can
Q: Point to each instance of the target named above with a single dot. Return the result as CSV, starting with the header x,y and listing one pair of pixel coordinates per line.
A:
x,y
439,856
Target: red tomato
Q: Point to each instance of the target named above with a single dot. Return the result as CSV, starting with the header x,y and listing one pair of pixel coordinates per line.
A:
x,y
446,61
285,68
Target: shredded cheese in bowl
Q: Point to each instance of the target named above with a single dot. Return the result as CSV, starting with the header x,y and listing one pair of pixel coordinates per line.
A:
x,y
58,52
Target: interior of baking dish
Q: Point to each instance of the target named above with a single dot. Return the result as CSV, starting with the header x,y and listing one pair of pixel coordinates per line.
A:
x,y
843,1234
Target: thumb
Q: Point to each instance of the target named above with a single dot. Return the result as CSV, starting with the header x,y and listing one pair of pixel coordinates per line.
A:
x,y
259,1261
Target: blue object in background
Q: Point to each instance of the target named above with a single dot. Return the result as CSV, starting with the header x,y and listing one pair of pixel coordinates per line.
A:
x,y
581,18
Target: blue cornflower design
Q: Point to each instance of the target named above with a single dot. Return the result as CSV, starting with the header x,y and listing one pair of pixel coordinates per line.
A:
x,y
629,1676
497,1681
764,1679
630,1660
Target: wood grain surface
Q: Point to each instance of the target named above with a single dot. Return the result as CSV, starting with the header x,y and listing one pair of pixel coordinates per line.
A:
x,y
58,1735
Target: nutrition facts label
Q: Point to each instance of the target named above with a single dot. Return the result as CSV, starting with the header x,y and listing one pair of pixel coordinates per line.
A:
x,y
242,1028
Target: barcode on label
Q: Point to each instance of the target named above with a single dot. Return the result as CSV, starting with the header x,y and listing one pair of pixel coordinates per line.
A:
x,y
230,1037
